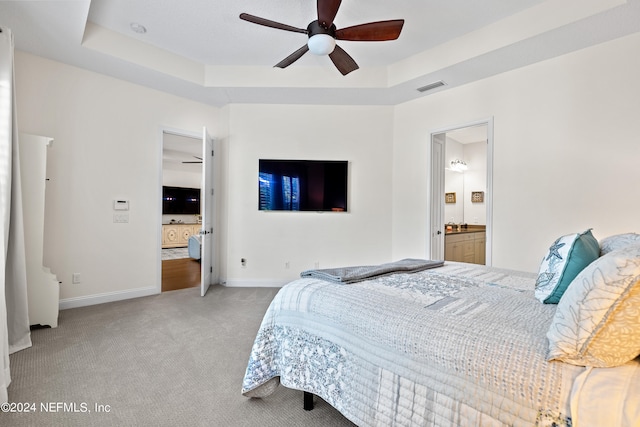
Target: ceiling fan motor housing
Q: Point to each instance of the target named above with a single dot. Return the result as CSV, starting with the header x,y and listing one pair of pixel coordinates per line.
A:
x,y
322,41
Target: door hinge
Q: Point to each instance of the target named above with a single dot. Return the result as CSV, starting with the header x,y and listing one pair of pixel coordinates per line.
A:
x,y
212,153
210,269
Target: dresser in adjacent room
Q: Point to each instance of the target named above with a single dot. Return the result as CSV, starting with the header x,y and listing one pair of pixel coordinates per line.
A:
x,y
177,235
466,245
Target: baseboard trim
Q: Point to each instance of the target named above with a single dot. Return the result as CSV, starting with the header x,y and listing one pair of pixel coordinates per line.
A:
x,y
107,297
254,283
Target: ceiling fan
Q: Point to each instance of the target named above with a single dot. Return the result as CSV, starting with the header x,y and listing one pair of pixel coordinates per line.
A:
x,y
193,161
323,35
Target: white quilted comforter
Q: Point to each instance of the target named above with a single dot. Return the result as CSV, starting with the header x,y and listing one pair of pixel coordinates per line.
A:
x,y
456,345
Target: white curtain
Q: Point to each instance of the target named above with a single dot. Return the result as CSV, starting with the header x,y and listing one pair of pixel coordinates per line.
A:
x,y
14,317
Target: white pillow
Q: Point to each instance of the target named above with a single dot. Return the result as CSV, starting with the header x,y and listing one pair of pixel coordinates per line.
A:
x,y
618,241
597,321
566,257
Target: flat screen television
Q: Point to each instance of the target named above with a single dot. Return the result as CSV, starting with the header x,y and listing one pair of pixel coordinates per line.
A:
x,y
302,185
180,200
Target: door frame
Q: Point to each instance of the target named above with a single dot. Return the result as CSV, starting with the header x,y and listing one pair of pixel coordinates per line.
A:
x,y
207,201
436,199
162,131
436,241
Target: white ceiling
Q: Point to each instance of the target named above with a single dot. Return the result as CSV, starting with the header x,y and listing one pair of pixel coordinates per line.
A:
x,y
178,149
200,49
469,134
210,32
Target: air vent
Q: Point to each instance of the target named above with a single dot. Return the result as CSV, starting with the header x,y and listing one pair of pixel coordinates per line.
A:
x,y
431,86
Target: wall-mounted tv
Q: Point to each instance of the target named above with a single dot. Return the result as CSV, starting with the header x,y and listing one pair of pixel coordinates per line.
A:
x,y
179,200
302,185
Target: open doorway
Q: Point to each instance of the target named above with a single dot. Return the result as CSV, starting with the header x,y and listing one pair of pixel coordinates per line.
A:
x,y
461,193
181,211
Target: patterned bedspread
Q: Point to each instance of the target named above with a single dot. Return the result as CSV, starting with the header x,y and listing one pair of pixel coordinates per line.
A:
x,y
457,345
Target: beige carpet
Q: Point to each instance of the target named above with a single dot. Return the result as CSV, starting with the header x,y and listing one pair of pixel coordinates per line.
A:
x,y
174,359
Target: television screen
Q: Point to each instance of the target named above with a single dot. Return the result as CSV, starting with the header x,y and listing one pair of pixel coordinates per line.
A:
x,y
179,200
302,185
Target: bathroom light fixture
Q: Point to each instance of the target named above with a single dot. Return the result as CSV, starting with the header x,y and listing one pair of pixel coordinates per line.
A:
x,y
137,28
458,165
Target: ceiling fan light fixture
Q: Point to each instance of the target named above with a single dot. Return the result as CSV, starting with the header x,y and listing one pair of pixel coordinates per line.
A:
x,y
321,44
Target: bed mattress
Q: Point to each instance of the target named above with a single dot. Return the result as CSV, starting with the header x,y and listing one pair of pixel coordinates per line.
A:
x,y
461,344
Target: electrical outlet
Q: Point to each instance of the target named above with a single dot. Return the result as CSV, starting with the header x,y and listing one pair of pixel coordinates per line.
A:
x,y
243,262
287,265
75,278
317,264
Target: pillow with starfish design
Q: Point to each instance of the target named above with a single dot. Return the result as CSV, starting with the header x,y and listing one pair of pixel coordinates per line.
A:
x,y
567,256
597,321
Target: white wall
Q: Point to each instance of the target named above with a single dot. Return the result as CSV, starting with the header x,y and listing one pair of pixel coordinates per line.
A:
x,y
464,183
267,240
453,182
174,178
107,146
566,150
569,123
475,179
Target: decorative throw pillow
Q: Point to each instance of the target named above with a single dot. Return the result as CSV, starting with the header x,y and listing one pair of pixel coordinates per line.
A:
x,y
597,322
567,257
618,241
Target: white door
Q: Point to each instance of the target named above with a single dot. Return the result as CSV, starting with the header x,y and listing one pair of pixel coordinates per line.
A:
x,y
207,206
437,196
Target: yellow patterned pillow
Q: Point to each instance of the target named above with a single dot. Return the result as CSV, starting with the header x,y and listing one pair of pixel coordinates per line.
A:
x,y
597,321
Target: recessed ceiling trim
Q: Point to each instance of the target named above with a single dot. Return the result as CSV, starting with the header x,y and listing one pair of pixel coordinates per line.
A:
x,y
545,17
137,52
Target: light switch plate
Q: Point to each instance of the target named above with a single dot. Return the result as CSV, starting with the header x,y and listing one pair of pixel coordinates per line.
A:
x,y
121,218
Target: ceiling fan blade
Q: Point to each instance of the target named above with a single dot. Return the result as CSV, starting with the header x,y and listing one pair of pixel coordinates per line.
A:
x,y
327,11
293,57
343,62
193,161
372,32
271,24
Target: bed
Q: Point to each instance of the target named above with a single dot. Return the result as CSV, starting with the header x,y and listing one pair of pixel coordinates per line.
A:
x,y
457,344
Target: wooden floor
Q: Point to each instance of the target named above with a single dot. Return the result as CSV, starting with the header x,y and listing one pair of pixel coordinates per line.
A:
x,y
180,274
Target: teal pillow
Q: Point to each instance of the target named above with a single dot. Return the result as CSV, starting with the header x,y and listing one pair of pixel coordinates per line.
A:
x,y
597,322
567,257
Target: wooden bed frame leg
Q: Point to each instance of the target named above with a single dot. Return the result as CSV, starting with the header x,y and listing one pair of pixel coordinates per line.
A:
x,y
308,401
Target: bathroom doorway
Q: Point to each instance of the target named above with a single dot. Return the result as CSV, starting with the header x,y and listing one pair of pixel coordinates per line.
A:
x,y
461,191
